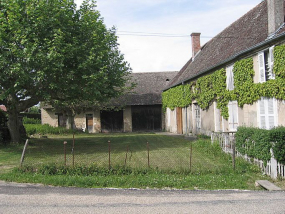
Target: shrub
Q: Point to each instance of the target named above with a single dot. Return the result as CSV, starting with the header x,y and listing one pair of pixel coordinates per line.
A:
x,y
254,142
277,136
46,129
27,120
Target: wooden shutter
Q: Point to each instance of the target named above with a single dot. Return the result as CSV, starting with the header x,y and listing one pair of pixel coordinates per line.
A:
x,y
261,66
271,112
217,118
262,113
267,113
271,62
233,115
230,78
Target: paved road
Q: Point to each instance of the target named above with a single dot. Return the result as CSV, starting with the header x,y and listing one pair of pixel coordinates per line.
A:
x,y
28,198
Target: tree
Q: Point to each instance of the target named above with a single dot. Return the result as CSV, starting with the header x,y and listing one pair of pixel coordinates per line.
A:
x,y
50,51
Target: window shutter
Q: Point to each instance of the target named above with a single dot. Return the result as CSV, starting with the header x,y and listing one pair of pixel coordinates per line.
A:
x,y
271,113
233,115
262,113
271,62
267,112
230,78
261,66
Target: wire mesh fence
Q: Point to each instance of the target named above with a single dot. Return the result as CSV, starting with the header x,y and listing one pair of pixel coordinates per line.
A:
x,y
108,153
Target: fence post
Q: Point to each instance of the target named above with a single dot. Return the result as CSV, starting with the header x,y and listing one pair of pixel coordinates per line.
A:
x,y
109,147
73,150
23,153
126,156
64,148
234,155
147,145
190,156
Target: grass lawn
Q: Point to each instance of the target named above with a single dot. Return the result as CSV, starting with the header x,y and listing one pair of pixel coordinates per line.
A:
x,y
168,157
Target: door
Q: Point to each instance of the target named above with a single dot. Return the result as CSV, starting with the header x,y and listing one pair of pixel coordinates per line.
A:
x,y
179,120
89,122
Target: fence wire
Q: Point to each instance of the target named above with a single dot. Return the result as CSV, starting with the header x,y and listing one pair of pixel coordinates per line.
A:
x,y
109,154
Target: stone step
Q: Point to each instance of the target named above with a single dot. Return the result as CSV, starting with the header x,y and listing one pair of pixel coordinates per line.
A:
x,y
267,185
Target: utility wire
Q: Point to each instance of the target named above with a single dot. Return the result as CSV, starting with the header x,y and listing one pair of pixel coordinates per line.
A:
x,y
133,33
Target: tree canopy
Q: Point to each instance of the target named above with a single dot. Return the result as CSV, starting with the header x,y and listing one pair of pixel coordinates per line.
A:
x,y
51,51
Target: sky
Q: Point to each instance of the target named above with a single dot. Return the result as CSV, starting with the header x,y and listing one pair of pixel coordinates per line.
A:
x,y
154,35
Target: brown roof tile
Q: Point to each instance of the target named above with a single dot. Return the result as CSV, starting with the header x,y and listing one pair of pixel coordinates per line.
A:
x,y
244,33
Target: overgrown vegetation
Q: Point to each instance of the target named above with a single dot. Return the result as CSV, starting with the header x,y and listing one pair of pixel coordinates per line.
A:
x,y
27,120
212,87
256,143
211,168
32,129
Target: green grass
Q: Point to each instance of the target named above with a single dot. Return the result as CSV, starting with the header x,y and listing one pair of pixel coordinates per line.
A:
x,y
169,159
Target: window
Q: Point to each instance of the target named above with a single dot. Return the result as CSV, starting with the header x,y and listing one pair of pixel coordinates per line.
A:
x,y
267,106
265,64
230,77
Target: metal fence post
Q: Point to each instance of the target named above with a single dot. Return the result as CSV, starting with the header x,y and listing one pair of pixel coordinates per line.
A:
x,y
109,148
73,150
64,148
147,144
190,156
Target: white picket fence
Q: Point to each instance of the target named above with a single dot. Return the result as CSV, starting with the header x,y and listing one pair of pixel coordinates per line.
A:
x,y
227,143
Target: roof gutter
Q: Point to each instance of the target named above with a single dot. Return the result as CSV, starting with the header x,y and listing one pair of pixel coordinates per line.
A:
x,y
266,43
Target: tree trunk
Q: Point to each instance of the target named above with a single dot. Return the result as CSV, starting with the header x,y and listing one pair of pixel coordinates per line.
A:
x,y
14,125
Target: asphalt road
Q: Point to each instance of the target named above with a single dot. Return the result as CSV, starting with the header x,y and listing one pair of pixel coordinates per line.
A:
x,y
30,198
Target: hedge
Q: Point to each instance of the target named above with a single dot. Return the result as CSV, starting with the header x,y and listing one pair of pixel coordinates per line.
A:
x,y
256,143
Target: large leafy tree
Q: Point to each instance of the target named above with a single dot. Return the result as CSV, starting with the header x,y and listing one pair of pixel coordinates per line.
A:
x,y
50,51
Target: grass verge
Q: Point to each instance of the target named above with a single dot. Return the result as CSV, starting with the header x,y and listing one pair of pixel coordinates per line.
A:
x,y
169,163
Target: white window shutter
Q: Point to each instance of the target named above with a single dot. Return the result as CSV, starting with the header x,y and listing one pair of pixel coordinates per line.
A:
x,y
261,66
230,78
233,115
267,113
271,62
271,113
262,113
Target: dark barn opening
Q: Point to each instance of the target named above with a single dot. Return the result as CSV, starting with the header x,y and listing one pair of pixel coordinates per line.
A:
x,y
112,121
146,118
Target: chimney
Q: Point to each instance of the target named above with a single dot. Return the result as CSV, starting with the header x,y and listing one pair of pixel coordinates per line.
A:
x,y
195,38
275,10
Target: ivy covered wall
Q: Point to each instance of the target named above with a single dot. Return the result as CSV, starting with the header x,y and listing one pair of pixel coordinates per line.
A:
x,y
212,87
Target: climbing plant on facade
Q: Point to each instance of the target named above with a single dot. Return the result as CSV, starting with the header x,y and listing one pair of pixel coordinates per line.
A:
x,y
212,87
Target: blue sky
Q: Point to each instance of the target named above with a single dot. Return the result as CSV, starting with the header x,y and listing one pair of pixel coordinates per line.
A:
x,y
175,18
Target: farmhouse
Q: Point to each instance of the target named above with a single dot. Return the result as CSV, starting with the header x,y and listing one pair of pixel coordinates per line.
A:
x,y
235,79
140,110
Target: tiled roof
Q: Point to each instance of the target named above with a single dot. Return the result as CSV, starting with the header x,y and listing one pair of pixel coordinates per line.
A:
x,y
244,33
148,89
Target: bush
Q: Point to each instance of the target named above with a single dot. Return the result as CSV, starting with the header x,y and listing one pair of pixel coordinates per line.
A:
x,y
256,143
32,129
27,120
277,136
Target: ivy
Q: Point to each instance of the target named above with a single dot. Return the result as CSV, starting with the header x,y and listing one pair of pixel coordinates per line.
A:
x,y
212,87
180,96
279,61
